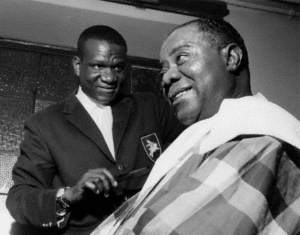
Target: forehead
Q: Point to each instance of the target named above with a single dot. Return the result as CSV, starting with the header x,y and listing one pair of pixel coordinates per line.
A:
x,y
95,46
188,35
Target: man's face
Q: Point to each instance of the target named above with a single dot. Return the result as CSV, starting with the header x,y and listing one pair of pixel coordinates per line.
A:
x,y
101,70
194,75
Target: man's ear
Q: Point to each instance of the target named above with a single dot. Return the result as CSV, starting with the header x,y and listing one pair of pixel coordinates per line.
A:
x,y
232,55
76,65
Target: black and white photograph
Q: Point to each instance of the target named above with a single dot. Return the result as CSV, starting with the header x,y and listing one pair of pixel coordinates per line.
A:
x,y
149,117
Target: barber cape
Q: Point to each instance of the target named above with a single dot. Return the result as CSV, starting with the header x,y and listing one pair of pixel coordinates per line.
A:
x,y
234,173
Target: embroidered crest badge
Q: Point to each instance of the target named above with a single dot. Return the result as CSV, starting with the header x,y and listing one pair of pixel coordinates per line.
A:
x,y
151,146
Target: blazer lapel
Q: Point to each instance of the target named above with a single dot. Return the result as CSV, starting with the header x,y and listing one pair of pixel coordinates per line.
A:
x,y
79,117
121,115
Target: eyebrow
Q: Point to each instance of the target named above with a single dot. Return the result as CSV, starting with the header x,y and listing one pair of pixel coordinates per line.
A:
x,y
115,60
177,48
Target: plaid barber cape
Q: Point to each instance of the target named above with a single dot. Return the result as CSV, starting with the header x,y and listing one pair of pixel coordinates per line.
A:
x,y
213,180
210,199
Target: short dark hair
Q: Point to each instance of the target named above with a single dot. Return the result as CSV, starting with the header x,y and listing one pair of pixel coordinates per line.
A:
x,y
219,34
100,32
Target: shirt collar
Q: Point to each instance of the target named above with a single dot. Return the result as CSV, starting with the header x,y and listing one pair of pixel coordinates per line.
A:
x,y
88,103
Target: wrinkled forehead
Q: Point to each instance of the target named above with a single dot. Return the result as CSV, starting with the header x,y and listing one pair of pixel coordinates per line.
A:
x,y
180,37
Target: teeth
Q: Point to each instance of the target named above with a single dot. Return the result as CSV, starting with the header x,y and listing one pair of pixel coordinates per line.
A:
x,y
180,94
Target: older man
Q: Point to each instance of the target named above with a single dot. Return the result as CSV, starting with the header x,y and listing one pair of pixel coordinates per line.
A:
x,y
235,169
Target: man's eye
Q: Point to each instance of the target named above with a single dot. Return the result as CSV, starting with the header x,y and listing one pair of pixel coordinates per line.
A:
x,y
181,59
96,66
119,68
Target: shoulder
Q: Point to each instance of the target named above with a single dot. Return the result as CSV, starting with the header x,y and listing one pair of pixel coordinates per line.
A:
x,y
149,98
245,151
253,144
262,139
52,112
145,96
143,100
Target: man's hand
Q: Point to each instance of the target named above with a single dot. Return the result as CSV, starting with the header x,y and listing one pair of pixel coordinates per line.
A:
x,y
95,180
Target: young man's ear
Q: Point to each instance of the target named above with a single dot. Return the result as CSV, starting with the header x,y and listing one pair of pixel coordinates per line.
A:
x,y
232,55
76,65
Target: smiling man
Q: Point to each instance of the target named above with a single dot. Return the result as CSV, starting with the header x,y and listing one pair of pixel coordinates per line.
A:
x,y
84,156
193,68
235,170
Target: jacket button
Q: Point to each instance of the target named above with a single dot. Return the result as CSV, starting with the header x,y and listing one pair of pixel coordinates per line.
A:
x,y
120,167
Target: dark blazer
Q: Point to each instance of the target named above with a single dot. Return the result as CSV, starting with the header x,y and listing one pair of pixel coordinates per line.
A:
x,y
62,142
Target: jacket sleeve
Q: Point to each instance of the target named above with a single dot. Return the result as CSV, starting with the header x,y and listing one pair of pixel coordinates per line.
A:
x,y
31,200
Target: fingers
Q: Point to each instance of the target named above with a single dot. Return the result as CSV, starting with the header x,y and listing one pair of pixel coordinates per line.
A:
x,y
110,177
91,185
99,180
102,184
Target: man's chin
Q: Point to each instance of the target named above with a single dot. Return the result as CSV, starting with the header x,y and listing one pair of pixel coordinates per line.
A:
x,y
186,113
105,100
185,118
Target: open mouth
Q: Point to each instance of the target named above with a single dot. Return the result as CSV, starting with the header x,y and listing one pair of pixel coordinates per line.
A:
x,y
179,93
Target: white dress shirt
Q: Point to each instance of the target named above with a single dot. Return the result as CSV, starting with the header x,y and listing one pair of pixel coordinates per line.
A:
x,y
101,115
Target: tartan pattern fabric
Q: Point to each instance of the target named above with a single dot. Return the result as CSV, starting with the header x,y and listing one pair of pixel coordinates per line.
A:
x,y
206,195
235,173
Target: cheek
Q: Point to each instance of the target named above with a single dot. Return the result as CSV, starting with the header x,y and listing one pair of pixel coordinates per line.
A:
x,y
121,77
200,68
196,67
85,74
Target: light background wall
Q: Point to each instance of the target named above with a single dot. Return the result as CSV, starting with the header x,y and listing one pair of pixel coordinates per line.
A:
x,y
273,40
273,43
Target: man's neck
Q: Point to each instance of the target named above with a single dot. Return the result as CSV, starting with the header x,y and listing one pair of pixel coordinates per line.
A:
x,y
84,96
242,87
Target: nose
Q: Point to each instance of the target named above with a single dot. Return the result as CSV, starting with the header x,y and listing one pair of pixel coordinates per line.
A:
x,y
108,76
171,76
